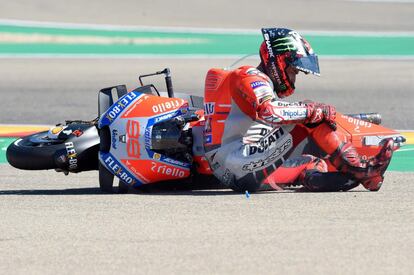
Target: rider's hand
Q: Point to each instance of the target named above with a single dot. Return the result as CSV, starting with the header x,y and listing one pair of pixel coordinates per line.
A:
x,y
318,113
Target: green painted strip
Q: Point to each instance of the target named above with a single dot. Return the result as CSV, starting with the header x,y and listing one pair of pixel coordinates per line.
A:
x,y
4,143
210,43
402,160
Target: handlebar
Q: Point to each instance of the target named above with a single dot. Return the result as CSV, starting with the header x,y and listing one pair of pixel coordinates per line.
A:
x,y
374,118
168,80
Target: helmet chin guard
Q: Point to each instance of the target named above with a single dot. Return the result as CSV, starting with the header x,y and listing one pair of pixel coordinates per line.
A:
x,y
282,48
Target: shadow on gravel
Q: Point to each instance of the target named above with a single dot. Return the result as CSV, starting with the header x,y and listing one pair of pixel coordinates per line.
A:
x,y
150,192
97,191
211,188
48,192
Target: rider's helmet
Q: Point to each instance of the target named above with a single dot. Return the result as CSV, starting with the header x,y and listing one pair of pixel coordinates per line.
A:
x,y
281,48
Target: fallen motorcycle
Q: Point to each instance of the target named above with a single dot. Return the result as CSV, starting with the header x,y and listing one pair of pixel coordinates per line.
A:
x,y
143,137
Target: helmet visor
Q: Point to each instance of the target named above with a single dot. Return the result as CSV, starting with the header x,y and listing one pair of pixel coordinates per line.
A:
x,y
307,64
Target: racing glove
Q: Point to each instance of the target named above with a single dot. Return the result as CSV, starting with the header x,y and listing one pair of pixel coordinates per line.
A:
x,y
318,113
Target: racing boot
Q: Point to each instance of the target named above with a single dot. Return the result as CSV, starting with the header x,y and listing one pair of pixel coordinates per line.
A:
x,y
370,173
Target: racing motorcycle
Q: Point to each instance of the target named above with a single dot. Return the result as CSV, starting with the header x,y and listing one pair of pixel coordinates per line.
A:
x,y
144,136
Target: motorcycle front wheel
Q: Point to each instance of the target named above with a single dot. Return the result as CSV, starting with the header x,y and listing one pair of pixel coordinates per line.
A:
x,y
34,152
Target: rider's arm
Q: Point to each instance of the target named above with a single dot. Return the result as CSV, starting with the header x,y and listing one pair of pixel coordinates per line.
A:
x,y
280,112
256,98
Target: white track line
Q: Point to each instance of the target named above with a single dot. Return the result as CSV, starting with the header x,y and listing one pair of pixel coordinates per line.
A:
x,y
36,38
404,150
384,1
48,24
188,56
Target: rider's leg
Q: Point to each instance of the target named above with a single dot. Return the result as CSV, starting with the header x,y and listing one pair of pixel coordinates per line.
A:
x,y
311,173
293,171
346,159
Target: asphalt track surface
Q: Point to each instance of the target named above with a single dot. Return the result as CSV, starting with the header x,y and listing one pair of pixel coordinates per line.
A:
x,y
56,224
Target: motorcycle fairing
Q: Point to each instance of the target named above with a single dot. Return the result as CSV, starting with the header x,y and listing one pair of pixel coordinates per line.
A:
x,y
361,134
130,121
113,165
118,108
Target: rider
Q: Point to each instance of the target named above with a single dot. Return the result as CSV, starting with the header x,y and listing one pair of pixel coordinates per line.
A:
x,y
250,134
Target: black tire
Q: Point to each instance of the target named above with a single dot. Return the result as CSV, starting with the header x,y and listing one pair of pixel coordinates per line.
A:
x,y
123,187
34,152
106,179
106,182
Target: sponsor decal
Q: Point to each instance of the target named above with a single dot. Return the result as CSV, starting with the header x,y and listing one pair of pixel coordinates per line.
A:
x,y
150,106
277,154
175,162
264,131
150,171
148,131
285,44
67,132
266,142
359,123
118,170
268,45
114,138
56,130
164,117
294,113
156,156
265,98
208,139
257,84
167,170
122,138
167,106
307,46
71,155
77,133
119,106
272,63
263,93
287,104
132,140
298,42
61,159
213,80
209,108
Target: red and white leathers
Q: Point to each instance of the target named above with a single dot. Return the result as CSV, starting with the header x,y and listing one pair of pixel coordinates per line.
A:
x,y
249,134
242,144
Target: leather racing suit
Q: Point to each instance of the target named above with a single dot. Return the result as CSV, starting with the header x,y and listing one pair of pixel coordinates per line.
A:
x,y
250,136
